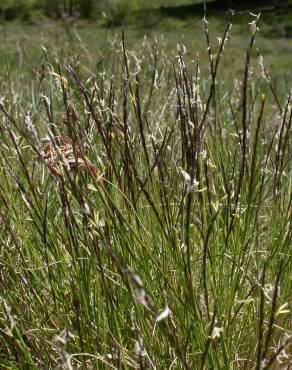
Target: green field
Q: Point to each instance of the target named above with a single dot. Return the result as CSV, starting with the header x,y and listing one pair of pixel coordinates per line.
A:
x,y
145,194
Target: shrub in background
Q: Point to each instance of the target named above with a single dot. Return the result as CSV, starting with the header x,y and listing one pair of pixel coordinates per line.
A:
x,y
117,12
23,9
12,9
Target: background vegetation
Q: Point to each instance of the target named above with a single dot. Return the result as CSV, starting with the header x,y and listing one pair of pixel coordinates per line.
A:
x,y
119,9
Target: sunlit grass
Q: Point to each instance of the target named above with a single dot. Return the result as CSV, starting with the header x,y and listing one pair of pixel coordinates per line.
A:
x,y
145,204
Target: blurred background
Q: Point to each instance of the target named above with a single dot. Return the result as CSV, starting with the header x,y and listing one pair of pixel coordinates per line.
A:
x,y
117,12
69,26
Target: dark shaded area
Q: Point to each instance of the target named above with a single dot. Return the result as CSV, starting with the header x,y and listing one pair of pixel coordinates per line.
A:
x,y
223,6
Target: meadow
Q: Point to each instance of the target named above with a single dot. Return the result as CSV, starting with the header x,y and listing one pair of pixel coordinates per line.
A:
x,y
145,195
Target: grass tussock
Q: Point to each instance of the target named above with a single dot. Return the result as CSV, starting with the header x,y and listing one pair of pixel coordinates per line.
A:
x,y
145,211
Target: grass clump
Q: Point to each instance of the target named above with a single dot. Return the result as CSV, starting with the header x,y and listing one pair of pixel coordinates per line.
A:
x,y
146,213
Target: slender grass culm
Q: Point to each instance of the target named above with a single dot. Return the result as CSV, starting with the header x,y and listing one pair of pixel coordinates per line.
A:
x,y
145,210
